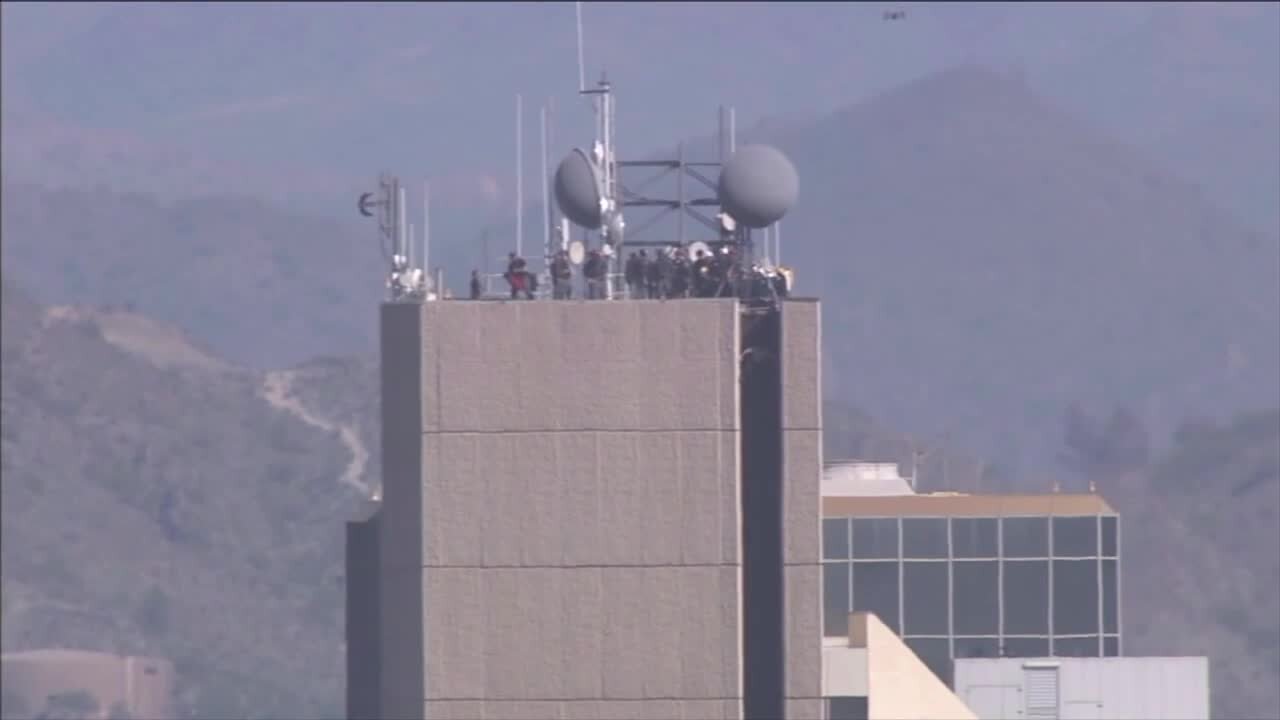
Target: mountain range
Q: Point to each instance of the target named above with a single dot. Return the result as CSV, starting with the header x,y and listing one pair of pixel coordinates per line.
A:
x,y
302,104
985,259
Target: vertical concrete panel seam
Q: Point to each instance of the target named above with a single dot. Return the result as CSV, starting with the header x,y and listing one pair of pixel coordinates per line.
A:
x,y
679,462
600,590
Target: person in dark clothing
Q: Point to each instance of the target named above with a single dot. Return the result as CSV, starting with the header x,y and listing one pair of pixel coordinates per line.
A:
x,y
633,272
780,288
656,272
517,277
703,283
681,275
561,277
724,273
477,288
643,276
595,270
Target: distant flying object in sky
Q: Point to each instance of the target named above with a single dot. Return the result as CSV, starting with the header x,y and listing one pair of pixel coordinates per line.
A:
x,y
895,14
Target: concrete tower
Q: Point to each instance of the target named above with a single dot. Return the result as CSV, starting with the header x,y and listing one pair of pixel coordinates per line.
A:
x,y
593,510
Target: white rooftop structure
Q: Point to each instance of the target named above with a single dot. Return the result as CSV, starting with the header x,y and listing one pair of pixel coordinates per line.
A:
x,y
1114,688
862,479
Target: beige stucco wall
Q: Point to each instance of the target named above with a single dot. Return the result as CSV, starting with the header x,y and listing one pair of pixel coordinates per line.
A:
x,y
578,549
561,502
802,478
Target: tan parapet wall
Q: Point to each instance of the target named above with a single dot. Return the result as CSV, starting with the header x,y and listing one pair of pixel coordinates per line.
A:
x,y
899,685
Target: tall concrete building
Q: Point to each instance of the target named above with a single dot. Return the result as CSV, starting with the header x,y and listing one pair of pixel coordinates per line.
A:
x,y
593,510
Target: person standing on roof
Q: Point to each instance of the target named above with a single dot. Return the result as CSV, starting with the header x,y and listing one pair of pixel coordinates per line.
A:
x,y
657,273
633,273
646,267
561,276
703,283
595,270
680,277
517,277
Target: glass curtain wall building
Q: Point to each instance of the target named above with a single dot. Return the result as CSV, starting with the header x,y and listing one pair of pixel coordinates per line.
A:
x,y
961,576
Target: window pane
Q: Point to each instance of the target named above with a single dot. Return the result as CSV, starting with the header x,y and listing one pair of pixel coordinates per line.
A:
x,y
875,538
835,538
1110,533
936,653
1110,608
924,587
976,587
1026,647
977,647
924,538
973,537
1077,647
835,599
1026,537
875,590
1026,597
1111,646
847,708
1075,597
1075,537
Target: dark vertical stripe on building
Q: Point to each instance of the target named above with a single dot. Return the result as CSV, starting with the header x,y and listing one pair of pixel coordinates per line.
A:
x,y
363,612
763,604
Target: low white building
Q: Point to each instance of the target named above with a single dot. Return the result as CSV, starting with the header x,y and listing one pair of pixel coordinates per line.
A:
x,y
852,478
1080,688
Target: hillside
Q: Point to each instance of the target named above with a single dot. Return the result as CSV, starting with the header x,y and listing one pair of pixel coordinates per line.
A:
x,y
155,502
985,260
302,104
337,89
1200,532
132,523
1198,86
259,285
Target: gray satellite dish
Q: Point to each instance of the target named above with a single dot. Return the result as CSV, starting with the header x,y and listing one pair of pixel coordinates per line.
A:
x,y
758,185
577,252
580,190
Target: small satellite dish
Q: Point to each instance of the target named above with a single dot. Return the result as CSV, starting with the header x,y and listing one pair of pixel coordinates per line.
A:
x,y
758,185
727,222
696,246
580,190
577,252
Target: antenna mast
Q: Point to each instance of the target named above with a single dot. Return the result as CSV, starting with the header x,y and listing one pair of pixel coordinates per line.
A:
x,y
546,194
582,76
426,228
519,177
402,248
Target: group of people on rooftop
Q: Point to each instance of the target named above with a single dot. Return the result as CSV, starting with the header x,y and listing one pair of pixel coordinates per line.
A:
x,y
669,273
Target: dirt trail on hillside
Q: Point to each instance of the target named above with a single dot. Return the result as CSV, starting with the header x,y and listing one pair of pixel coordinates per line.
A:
x,y
277,390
